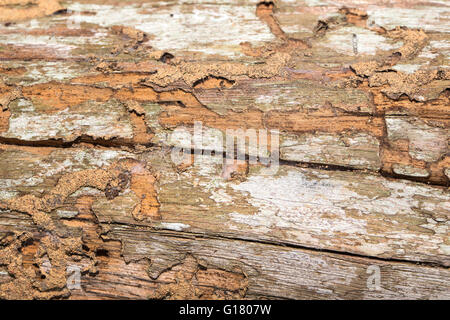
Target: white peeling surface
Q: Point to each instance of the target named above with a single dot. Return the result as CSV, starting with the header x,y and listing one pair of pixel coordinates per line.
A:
x,y
295,200
366,42
425,142
430,18
410,171
174,226
358,150
407,68
208,28
45,71
33,171
312,208
27,124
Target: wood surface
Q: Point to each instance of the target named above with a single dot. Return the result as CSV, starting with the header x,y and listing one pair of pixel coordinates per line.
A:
x,y
97,95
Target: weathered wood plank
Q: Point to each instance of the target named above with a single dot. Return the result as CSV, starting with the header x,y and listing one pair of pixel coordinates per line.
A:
x,y
324,114
342,211
291,273
182,265
95,93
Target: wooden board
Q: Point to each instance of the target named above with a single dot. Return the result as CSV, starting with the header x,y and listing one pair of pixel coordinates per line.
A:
x,y
350,105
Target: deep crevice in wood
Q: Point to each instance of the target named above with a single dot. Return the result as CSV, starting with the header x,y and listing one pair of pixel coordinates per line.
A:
x,y
194,235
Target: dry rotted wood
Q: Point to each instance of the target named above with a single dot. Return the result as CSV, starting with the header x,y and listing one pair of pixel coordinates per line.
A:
x,y
94,95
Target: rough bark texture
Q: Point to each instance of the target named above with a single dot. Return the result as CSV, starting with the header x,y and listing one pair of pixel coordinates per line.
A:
x,y
94,92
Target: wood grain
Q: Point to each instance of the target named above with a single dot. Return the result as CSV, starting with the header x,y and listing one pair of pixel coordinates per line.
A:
x,y
96,97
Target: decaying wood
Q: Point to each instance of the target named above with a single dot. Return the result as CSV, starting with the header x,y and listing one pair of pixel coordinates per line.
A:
x,y
94,93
